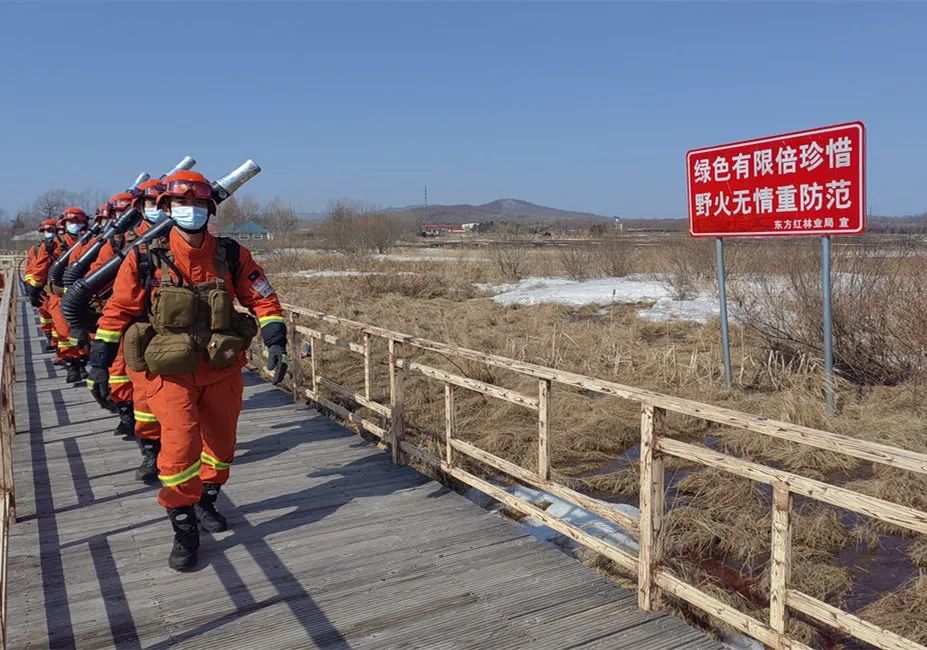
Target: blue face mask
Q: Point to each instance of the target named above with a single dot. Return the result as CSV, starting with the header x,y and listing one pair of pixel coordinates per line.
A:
x,y
49,235
190,217
153,214
74,228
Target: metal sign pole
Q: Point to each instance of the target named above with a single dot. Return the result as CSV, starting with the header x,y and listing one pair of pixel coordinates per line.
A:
x,y
722,298
828,328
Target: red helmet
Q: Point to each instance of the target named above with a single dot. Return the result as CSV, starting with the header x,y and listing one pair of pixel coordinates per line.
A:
x,y
186,184
103,212
120,201
73,214
147,190
48,225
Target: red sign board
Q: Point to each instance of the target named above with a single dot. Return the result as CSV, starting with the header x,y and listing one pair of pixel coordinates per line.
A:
x,y
806,183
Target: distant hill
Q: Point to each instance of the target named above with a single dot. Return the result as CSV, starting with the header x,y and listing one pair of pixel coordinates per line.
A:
x,y
514,210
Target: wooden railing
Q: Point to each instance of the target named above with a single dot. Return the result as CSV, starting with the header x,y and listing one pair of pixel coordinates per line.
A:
x,y
7,425
653,577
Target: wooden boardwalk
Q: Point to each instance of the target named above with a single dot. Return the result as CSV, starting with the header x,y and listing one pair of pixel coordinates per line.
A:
x,y
332,546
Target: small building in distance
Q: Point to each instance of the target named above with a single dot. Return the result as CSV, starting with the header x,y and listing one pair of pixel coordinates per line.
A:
x,y
248,231
439,229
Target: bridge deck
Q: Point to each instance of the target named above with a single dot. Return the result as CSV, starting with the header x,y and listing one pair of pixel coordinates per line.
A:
x,y
332,546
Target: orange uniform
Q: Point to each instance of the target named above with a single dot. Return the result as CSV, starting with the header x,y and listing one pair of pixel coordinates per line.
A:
x,y
198,412
67,347
45,319
124,384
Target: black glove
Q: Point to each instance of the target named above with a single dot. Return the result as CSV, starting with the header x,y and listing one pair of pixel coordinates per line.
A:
x,y
83,340
35,296
274,336
98,383
102,355
277,359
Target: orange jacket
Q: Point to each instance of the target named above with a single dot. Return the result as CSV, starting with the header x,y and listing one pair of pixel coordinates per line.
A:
x,y
197,265
43,261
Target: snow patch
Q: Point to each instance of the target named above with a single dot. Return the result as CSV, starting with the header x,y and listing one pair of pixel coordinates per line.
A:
x,y
575,516
604,291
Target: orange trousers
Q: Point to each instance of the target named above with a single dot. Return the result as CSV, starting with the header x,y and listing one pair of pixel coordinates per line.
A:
x,y
67,347
199,423
120,384
45,320
146,423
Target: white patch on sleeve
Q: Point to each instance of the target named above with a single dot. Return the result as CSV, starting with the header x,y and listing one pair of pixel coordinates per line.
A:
x,y
263,287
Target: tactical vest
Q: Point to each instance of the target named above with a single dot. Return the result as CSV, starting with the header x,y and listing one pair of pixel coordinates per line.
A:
x,y
185,320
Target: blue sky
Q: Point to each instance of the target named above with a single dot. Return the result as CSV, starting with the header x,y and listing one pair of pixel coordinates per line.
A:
x,y
580,106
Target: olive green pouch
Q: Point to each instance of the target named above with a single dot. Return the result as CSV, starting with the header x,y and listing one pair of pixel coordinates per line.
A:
x,y
220,309
134,343
171,354
245,326
224,348
174,307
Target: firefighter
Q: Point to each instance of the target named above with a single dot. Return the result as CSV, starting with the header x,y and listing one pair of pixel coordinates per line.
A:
x,y
172,305
127,388
73,221
120,390
49,231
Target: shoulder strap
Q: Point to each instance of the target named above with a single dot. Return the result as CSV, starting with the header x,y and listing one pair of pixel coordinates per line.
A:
x,y
143,261
229,257
49,246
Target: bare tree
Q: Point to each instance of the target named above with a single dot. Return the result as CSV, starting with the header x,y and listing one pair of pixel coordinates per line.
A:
x,y
50,203
356,227
277,217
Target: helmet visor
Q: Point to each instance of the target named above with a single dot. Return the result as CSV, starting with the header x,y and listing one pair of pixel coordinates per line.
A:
x,y
196,189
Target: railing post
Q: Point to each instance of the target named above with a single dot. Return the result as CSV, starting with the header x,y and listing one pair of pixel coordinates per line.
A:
x,y
396,376
781,566
650,552
314,360
367,365
450,422
296,356
544,429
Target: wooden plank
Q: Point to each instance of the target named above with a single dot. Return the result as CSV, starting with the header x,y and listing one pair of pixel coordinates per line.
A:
x,y
471,384
544,429
450,423
887,511
344,391
530,478
619,556
711,605
652,490
396,401
781,567
848,623
330,339
863,449
345,414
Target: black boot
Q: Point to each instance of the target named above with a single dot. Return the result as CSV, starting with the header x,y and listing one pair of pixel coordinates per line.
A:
x,y
206,512
126,426
147,472
186,539
73,371
83,370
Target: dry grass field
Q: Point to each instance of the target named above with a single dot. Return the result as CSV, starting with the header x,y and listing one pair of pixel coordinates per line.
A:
x,y
718,528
